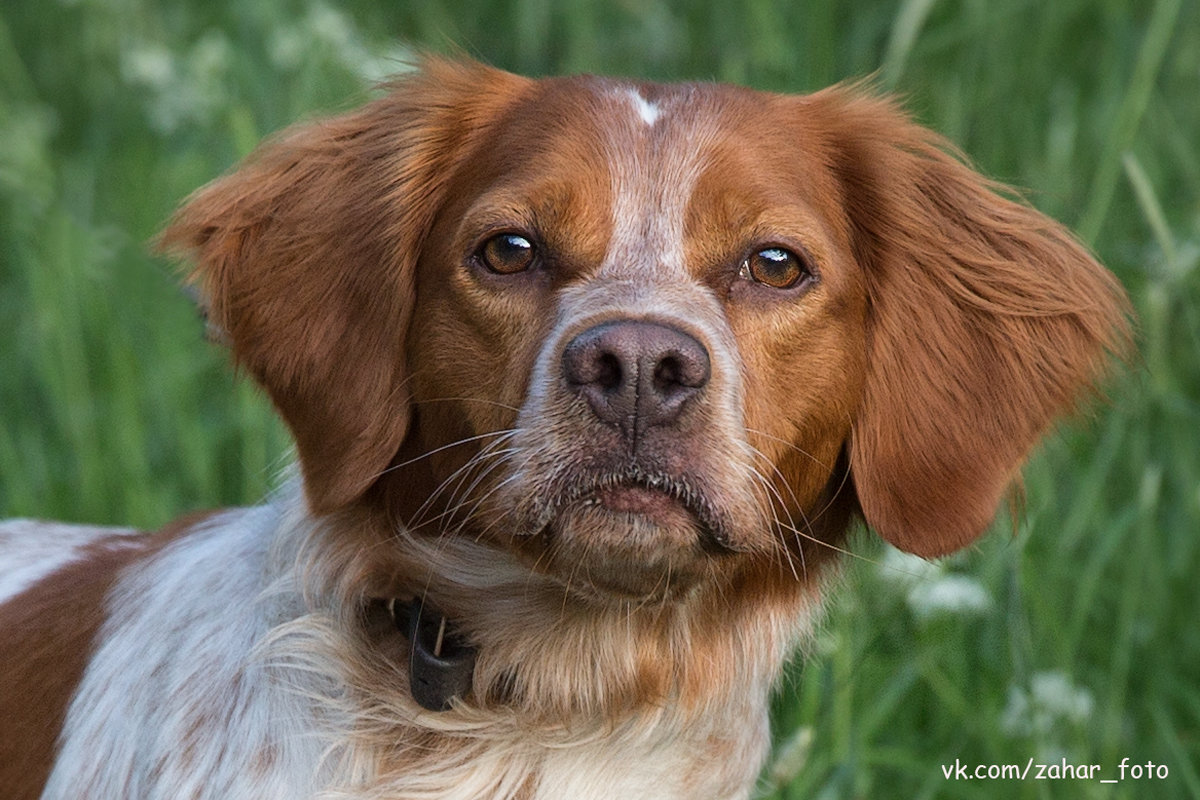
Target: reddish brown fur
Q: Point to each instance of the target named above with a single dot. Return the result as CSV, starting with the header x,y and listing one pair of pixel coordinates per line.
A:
x,y
988,318
48,630
946,327
307,266
951,324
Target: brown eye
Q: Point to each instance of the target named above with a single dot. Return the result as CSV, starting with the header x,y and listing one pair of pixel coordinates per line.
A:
x,y
775,267
507,253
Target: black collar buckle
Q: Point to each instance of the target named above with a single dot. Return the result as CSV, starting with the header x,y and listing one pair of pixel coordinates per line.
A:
x,y
440,662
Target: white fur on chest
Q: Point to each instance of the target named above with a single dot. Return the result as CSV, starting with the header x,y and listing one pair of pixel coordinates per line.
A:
x,y
201,688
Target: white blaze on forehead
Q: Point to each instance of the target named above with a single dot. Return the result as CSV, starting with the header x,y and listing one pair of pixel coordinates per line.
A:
x,y
646,110
655,167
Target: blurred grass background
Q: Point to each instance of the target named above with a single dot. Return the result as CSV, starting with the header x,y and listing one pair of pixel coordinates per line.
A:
x,y
1077,639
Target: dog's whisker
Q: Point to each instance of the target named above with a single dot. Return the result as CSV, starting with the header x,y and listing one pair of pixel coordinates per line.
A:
x,y
486,453
500,486
465,399
786,484
843,551
791,446
783,481
809,523
783,552
482,467
782,506
833,497
471,505
501,459
457,443
478,503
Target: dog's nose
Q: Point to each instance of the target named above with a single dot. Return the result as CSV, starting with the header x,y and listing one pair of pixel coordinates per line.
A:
x,y
636,374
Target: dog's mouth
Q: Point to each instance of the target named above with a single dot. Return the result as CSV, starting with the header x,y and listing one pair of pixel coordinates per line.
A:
x,y
656,505
631,535
668,502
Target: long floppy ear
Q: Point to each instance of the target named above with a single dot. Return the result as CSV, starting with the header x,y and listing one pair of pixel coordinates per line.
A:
x,y
986,321
305,256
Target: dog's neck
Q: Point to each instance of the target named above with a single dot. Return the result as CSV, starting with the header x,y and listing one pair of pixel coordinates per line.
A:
x,y
539,650
560,686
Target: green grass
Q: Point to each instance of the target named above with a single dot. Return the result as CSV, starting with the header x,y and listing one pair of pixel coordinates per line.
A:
x,y
1082,641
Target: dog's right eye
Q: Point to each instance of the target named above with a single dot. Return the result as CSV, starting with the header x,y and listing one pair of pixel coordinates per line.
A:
x,y
507,253
776,267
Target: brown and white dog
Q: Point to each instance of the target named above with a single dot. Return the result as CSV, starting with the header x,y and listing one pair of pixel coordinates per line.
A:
x,y
588,379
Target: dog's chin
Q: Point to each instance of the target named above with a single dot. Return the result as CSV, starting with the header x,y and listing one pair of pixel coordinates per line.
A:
x,y
629,544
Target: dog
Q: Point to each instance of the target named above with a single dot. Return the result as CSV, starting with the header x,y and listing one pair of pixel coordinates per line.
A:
x,y
588,381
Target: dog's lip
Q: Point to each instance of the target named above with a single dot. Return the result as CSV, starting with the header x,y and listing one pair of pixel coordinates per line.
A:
x,y
656,496
636,499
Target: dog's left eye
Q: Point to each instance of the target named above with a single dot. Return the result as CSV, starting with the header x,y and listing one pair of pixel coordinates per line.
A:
x,y
507,253
776,267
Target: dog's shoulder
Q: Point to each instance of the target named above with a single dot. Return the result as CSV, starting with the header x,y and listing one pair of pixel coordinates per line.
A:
x,y
32,549
92,617
54,578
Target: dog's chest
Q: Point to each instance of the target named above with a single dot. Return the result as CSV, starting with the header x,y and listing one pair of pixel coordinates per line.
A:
x,y
650,765
180,698
678,770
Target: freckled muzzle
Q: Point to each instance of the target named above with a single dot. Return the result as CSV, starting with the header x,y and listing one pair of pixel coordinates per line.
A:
x,y
632,510
630,476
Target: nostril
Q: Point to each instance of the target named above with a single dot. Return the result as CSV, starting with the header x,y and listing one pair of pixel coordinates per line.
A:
x,y
668,374
609,373
682,368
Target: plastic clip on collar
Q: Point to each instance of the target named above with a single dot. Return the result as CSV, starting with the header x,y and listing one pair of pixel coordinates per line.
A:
x,y
440,663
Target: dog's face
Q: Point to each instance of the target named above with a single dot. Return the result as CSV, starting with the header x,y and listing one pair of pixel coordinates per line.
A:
x,y
651,332
647,337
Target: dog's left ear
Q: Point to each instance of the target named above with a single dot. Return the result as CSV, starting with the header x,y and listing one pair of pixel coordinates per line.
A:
x,y
986,320
305,257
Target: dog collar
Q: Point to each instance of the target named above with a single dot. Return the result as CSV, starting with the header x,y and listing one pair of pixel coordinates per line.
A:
x,y
440,662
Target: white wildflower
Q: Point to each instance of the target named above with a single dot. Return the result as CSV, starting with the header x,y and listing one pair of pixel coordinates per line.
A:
x,y
1052,699
791,757
180,91
148,65
949,594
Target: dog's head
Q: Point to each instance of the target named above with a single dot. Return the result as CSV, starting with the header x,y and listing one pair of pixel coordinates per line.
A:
x,y
647,336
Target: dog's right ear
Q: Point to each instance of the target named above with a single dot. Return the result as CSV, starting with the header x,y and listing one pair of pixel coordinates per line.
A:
x,y
986,321
305,258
